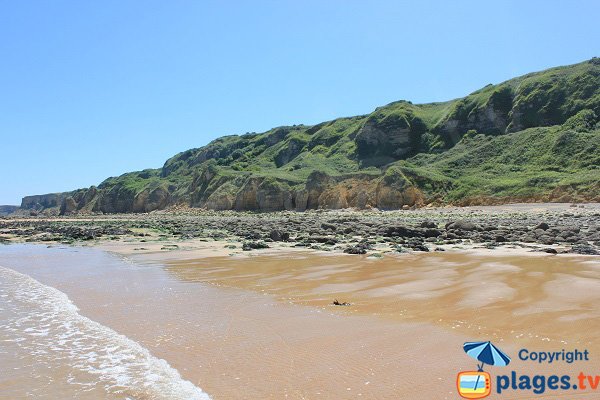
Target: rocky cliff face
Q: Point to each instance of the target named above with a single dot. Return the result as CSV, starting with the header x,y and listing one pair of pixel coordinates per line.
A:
x,y
320,191
473,150
394,134
43,201
6,210
539,99
491,117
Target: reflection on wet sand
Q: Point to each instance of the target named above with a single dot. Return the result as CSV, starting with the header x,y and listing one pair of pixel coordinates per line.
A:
x,y
542,297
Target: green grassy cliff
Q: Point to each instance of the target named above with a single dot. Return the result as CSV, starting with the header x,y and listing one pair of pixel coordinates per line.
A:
x,y
532,138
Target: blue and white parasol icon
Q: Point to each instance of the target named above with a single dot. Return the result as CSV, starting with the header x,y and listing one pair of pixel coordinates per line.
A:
x,y
487,353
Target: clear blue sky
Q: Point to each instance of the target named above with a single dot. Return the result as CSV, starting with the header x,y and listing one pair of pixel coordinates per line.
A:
x,y
91,89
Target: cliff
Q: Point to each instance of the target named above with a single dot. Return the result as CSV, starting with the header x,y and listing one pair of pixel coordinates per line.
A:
x,y
532,138
6,210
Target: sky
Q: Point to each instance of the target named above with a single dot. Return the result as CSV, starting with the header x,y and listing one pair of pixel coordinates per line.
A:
x,y
92,89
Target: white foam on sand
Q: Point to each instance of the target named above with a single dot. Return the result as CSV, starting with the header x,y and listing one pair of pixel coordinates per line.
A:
x,y
47,326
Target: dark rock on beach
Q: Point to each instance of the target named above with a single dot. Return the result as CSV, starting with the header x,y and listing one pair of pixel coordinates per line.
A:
x,y
247,246
277,235
461,225
584,249
356,249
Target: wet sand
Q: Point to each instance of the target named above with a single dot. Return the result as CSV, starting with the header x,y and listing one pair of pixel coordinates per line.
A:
x,y
539,296
244,327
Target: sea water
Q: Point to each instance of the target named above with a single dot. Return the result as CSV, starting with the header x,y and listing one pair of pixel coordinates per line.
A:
x,y
48,350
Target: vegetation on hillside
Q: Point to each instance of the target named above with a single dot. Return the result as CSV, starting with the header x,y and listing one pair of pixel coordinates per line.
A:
x,y
535,137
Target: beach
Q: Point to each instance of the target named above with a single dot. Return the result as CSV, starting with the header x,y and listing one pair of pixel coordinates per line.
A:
x,y
210,323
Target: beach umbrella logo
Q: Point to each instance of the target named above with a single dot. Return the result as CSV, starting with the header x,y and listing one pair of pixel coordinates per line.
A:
x,y
478,384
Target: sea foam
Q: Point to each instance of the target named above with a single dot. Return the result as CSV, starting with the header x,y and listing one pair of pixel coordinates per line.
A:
x,y
46,325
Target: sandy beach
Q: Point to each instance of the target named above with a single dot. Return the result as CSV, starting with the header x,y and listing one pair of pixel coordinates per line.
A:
x,y
261,324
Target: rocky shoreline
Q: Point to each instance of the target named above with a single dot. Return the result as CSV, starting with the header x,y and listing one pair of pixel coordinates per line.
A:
x,y
551,228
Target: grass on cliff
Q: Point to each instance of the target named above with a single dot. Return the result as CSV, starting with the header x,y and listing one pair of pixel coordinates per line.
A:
x,y
479,158
523,164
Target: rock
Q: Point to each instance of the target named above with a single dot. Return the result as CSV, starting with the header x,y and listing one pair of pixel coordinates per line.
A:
x,y
361,200
277,235
273,196
316,184
356,249
150,200
539,232
402,231
428,224
451,235
247,246
88,199
400,249
491,117
39,202
68,206
328,226
528,239
462,224
333,198
118,199
584,249
7,210
569,230
389,135
395,191
330,240
545,239
418,246
263,194
220,199
432,232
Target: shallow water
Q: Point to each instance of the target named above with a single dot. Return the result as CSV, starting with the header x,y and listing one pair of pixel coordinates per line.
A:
x,y
530,297
82,323
49,350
